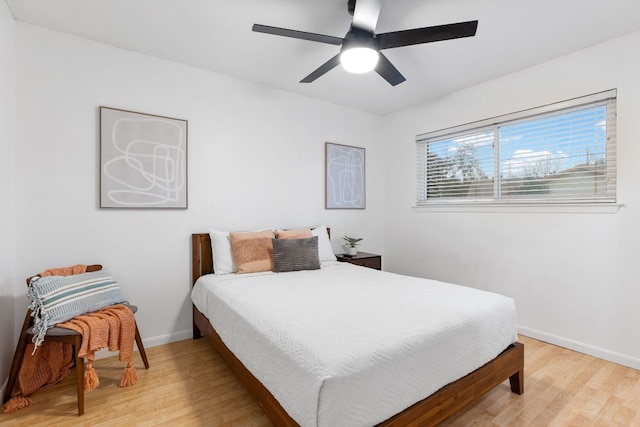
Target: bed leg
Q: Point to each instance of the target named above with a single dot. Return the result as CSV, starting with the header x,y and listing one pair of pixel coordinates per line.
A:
x,y
197,333
517,382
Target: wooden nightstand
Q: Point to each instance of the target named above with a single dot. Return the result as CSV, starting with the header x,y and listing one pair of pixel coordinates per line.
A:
x,y
364,259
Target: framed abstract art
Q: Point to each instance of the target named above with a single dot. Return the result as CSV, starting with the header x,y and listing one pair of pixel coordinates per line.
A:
x,y
143,160
344,177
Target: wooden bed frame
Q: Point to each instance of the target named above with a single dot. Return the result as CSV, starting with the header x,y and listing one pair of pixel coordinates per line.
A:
x,y
431,411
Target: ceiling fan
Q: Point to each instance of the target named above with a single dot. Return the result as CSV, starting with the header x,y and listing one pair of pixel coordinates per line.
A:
x,y
360,48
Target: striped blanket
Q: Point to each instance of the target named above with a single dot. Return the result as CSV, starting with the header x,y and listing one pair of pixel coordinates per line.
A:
x,y
56,299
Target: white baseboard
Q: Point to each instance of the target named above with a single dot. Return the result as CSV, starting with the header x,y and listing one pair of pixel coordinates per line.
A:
x,y
153,342
167,339
622,359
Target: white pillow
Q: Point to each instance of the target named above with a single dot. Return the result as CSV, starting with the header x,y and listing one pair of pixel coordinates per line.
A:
x,y
325,251
223,261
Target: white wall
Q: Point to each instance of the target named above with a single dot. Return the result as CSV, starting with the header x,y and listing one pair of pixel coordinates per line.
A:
x,y
255,159
7,191
574,277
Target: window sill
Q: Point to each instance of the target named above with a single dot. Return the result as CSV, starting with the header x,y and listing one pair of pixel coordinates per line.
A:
x,y
569,208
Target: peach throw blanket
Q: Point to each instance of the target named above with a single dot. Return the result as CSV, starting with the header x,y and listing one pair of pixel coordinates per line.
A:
x,y
111,327
65,271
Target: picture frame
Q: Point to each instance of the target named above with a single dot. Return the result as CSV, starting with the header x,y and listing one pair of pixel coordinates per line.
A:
x,y
143,160
344,177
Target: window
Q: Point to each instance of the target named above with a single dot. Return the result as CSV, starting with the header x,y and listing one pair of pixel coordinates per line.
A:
x,y
559,153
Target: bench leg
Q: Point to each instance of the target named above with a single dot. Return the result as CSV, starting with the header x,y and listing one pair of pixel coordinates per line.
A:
x,y
16,363
79,374
15,367
143,353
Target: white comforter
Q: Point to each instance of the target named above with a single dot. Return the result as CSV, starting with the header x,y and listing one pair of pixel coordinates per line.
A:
x,y
352,346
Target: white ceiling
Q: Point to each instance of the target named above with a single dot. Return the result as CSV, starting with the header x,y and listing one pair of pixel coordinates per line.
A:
x,y
216,35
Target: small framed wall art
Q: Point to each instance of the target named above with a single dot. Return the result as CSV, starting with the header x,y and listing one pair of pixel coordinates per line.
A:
x,y
344,177
143,160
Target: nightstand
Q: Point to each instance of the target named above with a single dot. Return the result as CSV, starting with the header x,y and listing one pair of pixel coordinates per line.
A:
x,y
364,259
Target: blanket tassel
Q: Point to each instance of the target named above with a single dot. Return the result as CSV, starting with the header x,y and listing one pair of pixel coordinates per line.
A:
x,y
129,376
91,380
15,403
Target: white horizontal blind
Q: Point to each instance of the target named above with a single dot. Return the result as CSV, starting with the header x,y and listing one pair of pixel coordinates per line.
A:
x,y
563,152
461,166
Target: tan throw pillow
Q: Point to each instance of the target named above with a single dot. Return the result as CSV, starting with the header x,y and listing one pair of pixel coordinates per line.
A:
x,y
252,251
297,233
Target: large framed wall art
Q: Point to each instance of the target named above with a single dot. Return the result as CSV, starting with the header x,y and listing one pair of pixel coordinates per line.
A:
x,y
344,177
143,160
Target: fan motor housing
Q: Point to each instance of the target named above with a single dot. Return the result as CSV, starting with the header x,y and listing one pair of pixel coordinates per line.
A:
x,y
360,38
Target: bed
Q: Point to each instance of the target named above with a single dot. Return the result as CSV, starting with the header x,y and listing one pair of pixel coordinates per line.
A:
x,y
430,409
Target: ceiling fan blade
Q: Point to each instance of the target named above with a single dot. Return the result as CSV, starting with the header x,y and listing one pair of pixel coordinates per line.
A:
x,y
303,35
388,72
324,68
427,34
366,13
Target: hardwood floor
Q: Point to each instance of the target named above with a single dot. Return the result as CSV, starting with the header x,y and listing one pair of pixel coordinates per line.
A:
x,y
189,385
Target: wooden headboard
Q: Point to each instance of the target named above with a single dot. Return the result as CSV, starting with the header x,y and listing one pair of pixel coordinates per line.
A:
x,y
201,256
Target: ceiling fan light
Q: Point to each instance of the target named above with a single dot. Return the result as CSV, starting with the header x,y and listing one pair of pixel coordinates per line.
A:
x,y
359,59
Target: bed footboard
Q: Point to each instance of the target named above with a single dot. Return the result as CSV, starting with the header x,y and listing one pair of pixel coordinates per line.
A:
x,y
456,396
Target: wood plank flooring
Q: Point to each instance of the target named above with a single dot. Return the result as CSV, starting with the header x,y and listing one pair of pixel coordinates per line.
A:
x,y
189,385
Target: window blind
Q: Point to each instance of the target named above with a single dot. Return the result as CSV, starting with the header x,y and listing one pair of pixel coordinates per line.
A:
x,y
563,152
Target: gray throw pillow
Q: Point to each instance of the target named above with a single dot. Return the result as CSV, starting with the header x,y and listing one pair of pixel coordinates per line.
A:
x,y
295,254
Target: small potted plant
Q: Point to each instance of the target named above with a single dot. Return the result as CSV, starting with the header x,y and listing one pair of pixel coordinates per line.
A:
x,y
352,243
